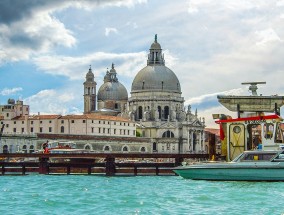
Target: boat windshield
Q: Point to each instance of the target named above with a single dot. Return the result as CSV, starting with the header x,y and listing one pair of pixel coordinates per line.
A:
x,y
280,157
256,156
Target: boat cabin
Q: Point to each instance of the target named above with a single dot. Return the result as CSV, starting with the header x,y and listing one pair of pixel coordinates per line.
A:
x,y
250,133
260,156
252,129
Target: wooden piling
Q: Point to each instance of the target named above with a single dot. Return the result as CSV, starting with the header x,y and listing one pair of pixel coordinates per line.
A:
x,y
43,165
23,169
110,166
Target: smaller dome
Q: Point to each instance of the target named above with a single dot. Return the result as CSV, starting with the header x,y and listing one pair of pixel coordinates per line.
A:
x,y
112,91
11,101
155,45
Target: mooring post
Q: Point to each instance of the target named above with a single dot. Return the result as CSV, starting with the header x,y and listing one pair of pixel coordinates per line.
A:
x,y
157,170
43,165
89,170
135,170
23,169
68,170
110,166
3,169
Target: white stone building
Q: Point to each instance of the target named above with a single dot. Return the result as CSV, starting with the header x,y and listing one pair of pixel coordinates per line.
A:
x,y
157,107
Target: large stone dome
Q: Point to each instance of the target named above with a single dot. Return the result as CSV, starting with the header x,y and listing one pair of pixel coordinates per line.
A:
x,y
156,78
112,91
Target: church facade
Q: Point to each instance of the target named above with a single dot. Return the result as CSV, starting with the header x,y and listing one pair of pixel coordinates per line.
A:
x,y
156,106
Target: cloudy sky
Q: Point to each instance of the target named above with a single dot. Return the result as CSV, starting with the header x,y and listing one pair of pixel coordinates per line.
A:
x,y
46,48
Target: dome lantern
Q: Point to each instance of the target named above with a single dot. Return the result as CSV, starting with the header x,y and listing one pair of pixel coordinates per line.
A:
x,y
155,57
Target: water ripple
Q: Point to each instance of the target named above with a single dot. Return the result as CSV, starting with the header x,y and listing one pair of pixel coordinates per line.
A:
x,y
43,194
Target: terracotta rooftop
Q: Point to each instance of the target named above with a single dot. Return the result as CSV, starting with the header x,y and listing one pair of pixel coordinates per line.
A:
x,y
83,116
96,117
215,131
36,117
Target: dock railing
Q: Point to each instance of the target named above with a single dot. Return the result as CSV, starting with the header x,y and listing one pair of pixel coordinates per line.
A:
x,y
109,164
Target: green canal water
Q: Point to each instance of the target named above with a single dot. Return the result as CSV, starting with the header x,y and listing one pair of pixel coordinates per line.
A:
x,y
77,194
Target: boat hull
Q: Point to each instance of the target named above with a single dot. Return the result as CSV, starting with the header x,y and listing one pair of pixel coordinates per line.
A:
x,y
255,172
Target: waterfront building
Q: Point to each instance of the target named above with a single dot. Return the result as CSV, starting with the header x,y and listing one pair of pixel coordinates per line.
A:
x,y
22,132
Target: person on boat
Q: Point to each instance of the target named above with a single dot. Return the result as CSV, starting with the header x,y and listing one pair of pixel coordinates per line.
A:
x,y
257,143
45,145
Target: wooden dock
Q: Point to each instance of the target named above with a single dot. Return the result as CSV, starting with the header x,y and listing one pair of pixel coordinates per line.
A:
x,y
108,164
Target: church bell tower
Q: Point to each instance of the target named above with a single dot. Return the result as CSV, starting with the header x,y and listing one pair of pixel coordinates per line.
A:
x,y
89,92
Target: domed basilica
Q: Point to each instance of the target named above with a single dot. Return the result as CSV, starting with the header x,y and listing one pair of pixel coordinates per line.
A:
x,y
155,104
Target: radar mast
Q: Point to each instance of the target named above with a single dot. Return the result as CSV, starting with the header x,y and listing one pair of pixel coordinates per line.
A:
x,y
253,86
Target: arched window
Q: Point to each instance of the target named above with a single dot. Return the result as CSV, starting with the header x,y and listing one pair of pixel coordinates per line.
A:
x,y
140,114
107,148
168,134
166,112
25,149
87,147
125,149
154,146
268,129
62,129
143,149
5,149
32,149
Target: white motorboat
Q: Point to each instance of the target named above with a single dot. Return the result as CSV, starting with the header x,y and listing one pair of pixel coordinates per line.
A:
x,y
249,166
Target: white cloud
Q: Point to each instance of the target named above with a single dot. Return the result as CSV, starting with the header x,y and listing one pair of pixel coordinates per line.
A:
x,y
206,97
110,30
52,101
30,27
6,91
132,24
76,67
265,36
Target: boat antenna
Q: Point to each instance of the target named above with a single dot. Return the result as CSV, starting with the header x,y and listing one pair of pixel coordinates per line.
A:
x,y
253,86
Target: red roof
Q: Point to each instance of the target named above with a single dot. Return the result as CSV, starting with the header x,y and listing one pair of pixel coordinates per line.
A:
x,y
215,131
35,117
96,117
83,116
